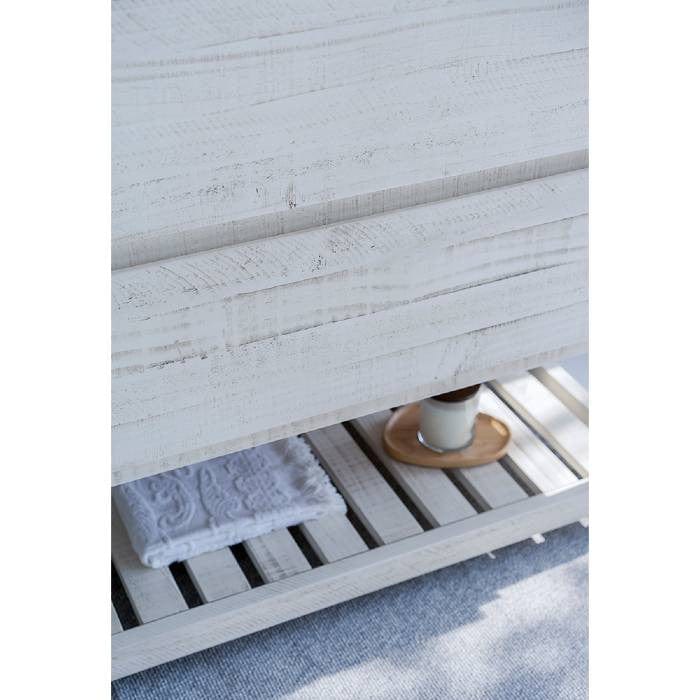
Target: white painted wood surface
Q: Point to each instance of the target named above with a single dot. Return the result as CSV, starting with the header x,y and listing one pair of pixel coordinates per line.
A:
x,y
549,417
538,466
229,118
153,593
276,556
116,624
490,485
235,616
378,508
565,388
211,352
216,575
332,538
435,496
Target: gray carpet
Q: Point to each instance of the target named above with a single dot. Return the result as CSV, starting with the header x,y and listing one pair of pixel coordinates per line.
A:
x,y
506,628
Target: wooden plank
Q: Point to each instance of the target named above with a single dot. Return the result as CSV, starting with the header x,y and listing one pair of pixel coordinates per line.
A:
x,y
153,593
549,417
265,606
490,485
216,575
565,388
210,352
116,624
537,465
379,509
163,441
435,496
276,556
333,537
214,125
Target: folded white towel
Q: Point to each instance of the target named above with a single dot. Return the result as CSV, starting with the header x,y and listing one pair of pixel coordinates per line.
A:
x,y
206,506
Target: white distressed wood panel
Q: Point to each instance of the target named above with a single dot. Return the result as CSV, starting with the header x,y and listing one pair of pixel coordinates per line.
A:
x,y
153,593
333,537
216,575
379,509
538,466
214,125
276,556
490,485
322,250
236,616
158,443
549,417
116,624
435,496
211,351
565,388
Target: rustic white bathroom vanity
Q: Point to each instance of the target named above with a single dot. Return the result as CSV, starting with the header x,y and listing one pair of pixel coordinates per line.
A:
x,y
323,210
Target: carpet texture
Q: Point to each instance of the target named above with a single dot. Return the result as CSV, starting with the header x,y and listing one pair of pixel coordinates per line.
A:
x,y
489,629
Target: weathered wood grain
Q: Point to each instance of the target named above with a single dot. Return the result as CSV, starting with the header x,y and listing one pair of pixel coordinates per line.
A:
x,y
565,388
538,466
216,575
276,555
153,593
234,121
235,616
559,427
379,509
435,496
211,352
490,485
333,537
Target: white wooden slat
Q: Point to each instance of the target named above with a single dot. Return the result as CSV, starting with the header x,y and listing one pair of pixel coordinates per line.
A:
x,y
214,125
549,417
333,537
153,593
539,467
490,485
216,575
435,496
210,352
116,624
276,556
565,388
379,509
265,606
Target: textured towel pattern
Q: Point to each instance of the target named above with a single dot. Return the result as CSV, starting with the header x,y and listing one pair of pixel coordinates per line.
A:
x,y
181,513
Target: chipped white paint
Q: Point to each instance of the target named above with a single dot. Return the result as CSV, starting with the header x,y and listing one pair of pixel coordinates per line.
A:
x,y
213,352
228,118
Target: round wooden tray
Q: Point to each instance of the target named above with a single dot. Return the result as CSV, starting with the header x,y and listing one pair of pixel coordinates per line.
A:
x,y
490,442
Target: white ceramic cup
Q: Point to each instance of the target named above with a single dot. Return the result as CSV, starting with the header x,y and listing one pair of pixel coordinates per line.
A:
x,y
447,420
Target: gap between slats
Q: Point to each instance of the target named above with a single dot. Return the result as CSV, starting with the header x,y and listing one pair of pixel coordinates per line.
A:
x,y
565,388
377,514
558,427
365,490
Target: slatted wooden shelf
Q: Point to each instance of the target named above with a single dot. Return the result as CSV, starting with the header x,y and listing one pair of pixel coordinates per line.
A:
x,y
403,521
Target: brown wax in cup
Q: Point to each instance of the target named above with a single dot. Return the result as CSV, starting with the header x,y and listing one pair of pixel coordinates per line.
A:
x,y
458,394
